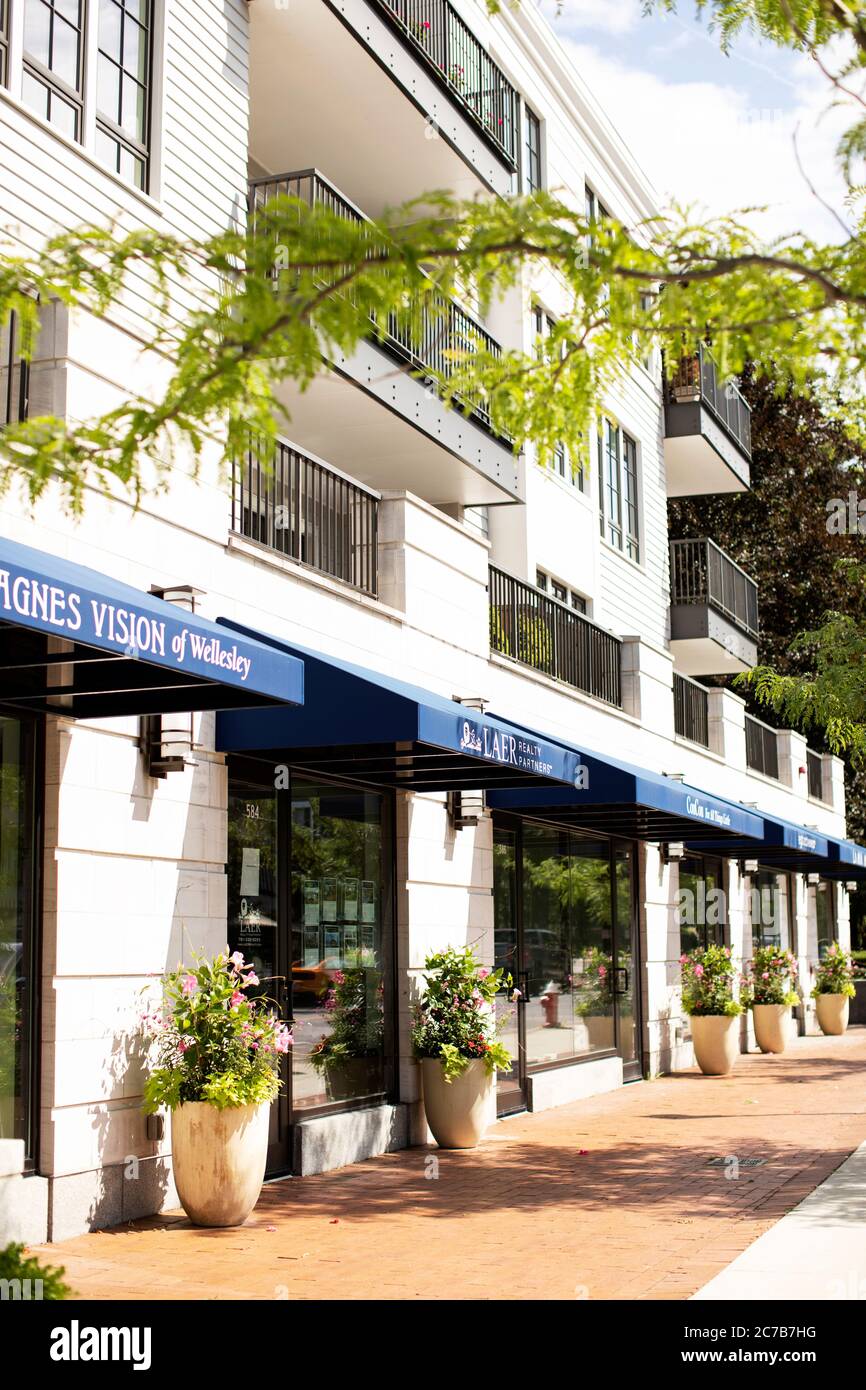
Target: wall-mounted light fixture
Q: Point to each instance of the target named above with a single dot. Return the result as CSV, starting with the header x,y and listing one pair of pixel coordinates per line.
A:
x,y
465,808
673,851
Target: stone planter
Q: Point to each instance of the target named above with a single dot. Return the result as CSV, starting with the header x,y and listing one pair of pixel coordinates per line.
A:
x,y
356,1076
832,1011
772,1026
218,1160
457,1111
716,1042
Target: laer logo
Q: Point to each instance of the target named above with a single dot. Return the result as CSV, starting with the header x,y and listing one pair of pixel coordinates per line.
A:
x,y
76,1343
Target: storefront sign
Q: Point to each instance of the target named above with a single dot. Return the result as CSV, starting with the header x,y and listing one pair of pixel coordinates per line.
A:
x,y
497,744
80,605
708,812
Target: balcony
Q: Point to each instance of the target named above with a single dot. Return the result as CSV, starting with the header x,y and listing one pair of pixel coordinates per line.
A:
x,y
308,512
434,109
548,636
714,611
762,749
691,711
708,440
417,443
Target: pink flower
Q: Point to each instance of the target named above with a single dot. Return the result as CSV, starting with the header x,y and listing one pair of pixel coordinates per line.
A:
x,y
602,972
683,959
237,960
483,973
282,1039
699,970
251,979
183,1045
237,998
188,985
766,975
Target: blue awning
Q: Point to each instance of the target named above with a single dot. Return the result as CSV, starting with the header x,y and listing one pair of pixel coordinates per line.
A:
x,y
783,845
77,642
847,861
618,798
365,726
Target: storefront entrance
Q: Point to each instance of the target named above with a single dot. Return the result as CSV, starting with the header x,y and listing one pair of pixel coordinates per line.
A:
x,y
564,911
310,904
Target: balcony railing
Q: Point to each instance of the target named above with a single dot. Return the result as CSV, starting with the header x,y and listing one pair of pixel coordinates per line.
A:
x,y
435,30
701,573
691,710
815,774
308,512
762,749
445,327
697,378
539,631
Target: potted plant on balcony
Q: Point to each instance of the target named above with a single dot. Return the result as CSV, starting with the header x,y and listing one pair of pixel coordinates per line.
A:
x,y
708,999
768,990
218,1052
455,1039
686,382
349,1056
834,987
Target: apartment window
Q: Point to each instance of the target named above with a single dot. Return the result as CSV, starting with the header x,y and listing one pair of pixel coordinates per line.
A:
x,y
58,84
563,465
14,374
595,209
560,591
618,489
532,150
52,82
4,43
123,88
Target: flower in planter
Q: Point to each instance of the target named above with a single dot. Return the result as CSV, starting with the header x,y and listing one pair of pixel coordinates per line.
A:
x,y
455,1019
213,1042
770,978
708,982
835,973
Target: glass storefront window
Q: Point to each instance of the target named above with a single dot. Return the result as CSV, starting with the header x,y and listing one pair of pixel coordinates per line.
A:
x,y
769,909
339,944
17,937
701,904
567,944
825,916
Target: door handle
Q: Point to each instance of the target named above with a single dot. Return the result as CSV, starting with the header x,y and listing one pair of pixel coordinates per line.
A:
x,y
621,978
523,985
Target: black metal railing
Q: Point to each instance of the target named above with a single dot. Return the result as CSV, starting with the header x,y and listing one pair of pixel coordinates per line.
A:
x,y
539,631
701,573
697,378
691,710
430,342
762,749
815,774
308,512
453,53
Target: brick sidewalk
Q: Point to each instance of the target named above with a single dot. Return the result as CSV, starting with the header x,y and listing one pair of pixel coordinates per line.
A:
x,y
639,1215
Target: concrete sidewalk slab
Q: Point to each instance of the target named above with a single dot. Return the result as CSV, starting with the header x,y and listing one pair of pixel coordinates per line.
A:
x,y
816,1252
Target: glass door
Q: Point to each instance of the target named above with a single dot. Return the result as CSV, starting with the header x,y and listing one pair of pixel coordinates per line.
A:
x,y
255,924
510,1015
625,972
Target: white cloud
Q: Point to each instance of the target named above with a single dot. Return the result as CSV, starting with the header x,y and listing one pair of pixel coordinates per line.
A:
x,y
725,146
605,16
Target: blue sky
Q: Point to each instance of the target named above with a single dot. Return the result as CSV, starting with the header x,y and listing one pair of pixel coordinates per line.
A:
x,y
709,129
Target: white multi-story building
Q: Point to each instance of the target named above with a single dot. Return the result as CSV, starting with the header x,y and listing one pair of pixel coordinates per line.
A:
x,y
422,637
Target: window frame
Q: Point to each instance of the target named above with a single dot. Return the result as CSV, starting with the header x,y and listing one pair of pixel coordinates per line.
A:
x,y
13,360
55,85
92,125
4,43
619,498
563,465
547,585
105,124
533,177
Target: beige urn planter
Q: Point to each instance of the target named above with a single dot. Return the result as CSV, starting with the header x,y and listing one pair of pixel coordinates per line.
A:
x,y
218,1160
832,1011
716,1042
457,1111
772,1026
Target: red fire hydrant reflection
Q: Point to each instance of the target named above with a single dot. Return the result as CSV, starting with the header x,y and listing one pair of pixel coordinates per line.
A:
x,y
550,1006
